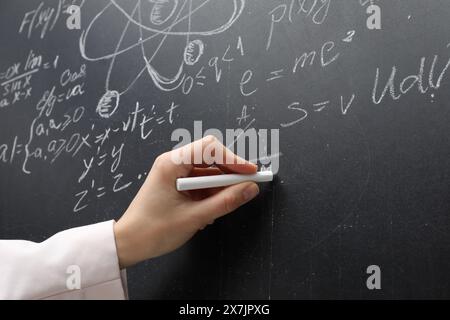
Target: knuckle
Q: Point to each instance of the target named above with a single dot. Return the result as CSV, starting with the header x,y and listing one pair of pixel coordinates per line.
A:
x,y
210,139
160,161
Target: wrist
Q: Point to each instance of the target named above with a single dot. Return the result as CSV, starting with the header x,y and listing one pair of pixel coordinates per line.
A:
x,y
123,247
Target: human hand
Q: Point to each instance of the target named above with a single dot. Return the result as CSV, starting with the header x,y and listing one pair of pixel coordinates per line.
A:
x,y
160,219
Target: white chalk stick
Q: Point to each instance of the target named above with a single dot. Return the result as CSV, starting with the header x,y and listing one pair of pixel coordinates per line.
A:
x,y
223,180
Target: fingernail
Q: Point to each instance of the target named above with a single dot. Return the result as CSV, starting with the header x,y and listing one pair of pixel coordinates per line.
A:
x,y
250,192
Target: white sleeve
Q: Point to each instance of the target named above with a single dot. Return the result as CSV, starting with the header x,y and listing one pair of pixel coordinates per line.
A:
x,y
84,258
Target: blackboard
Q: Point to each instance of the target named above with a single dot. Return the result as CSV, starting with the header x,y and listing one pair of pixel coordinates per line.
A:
x,y
362,110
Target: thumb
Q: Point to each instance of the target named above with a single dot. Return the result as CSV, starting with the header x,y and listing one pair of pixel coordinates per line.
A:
x,y
226,201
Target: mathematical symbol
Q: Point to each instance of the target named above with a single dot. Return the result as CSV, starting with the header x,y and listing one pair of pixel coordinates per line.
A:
x,y
321,105
345,108
275,75
160,120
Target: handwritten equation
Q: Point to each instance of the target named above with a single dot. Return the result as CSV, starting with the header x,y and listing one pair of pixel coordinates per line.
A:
x,y
178,49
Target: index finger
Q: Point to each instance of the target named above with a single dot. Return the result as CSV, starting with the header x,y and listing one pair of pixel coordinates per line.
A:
x,y
206,152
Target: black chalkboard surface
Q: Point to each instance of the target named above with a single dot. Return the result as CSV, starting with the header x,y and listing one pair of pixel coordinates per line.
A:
x,y
363,114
